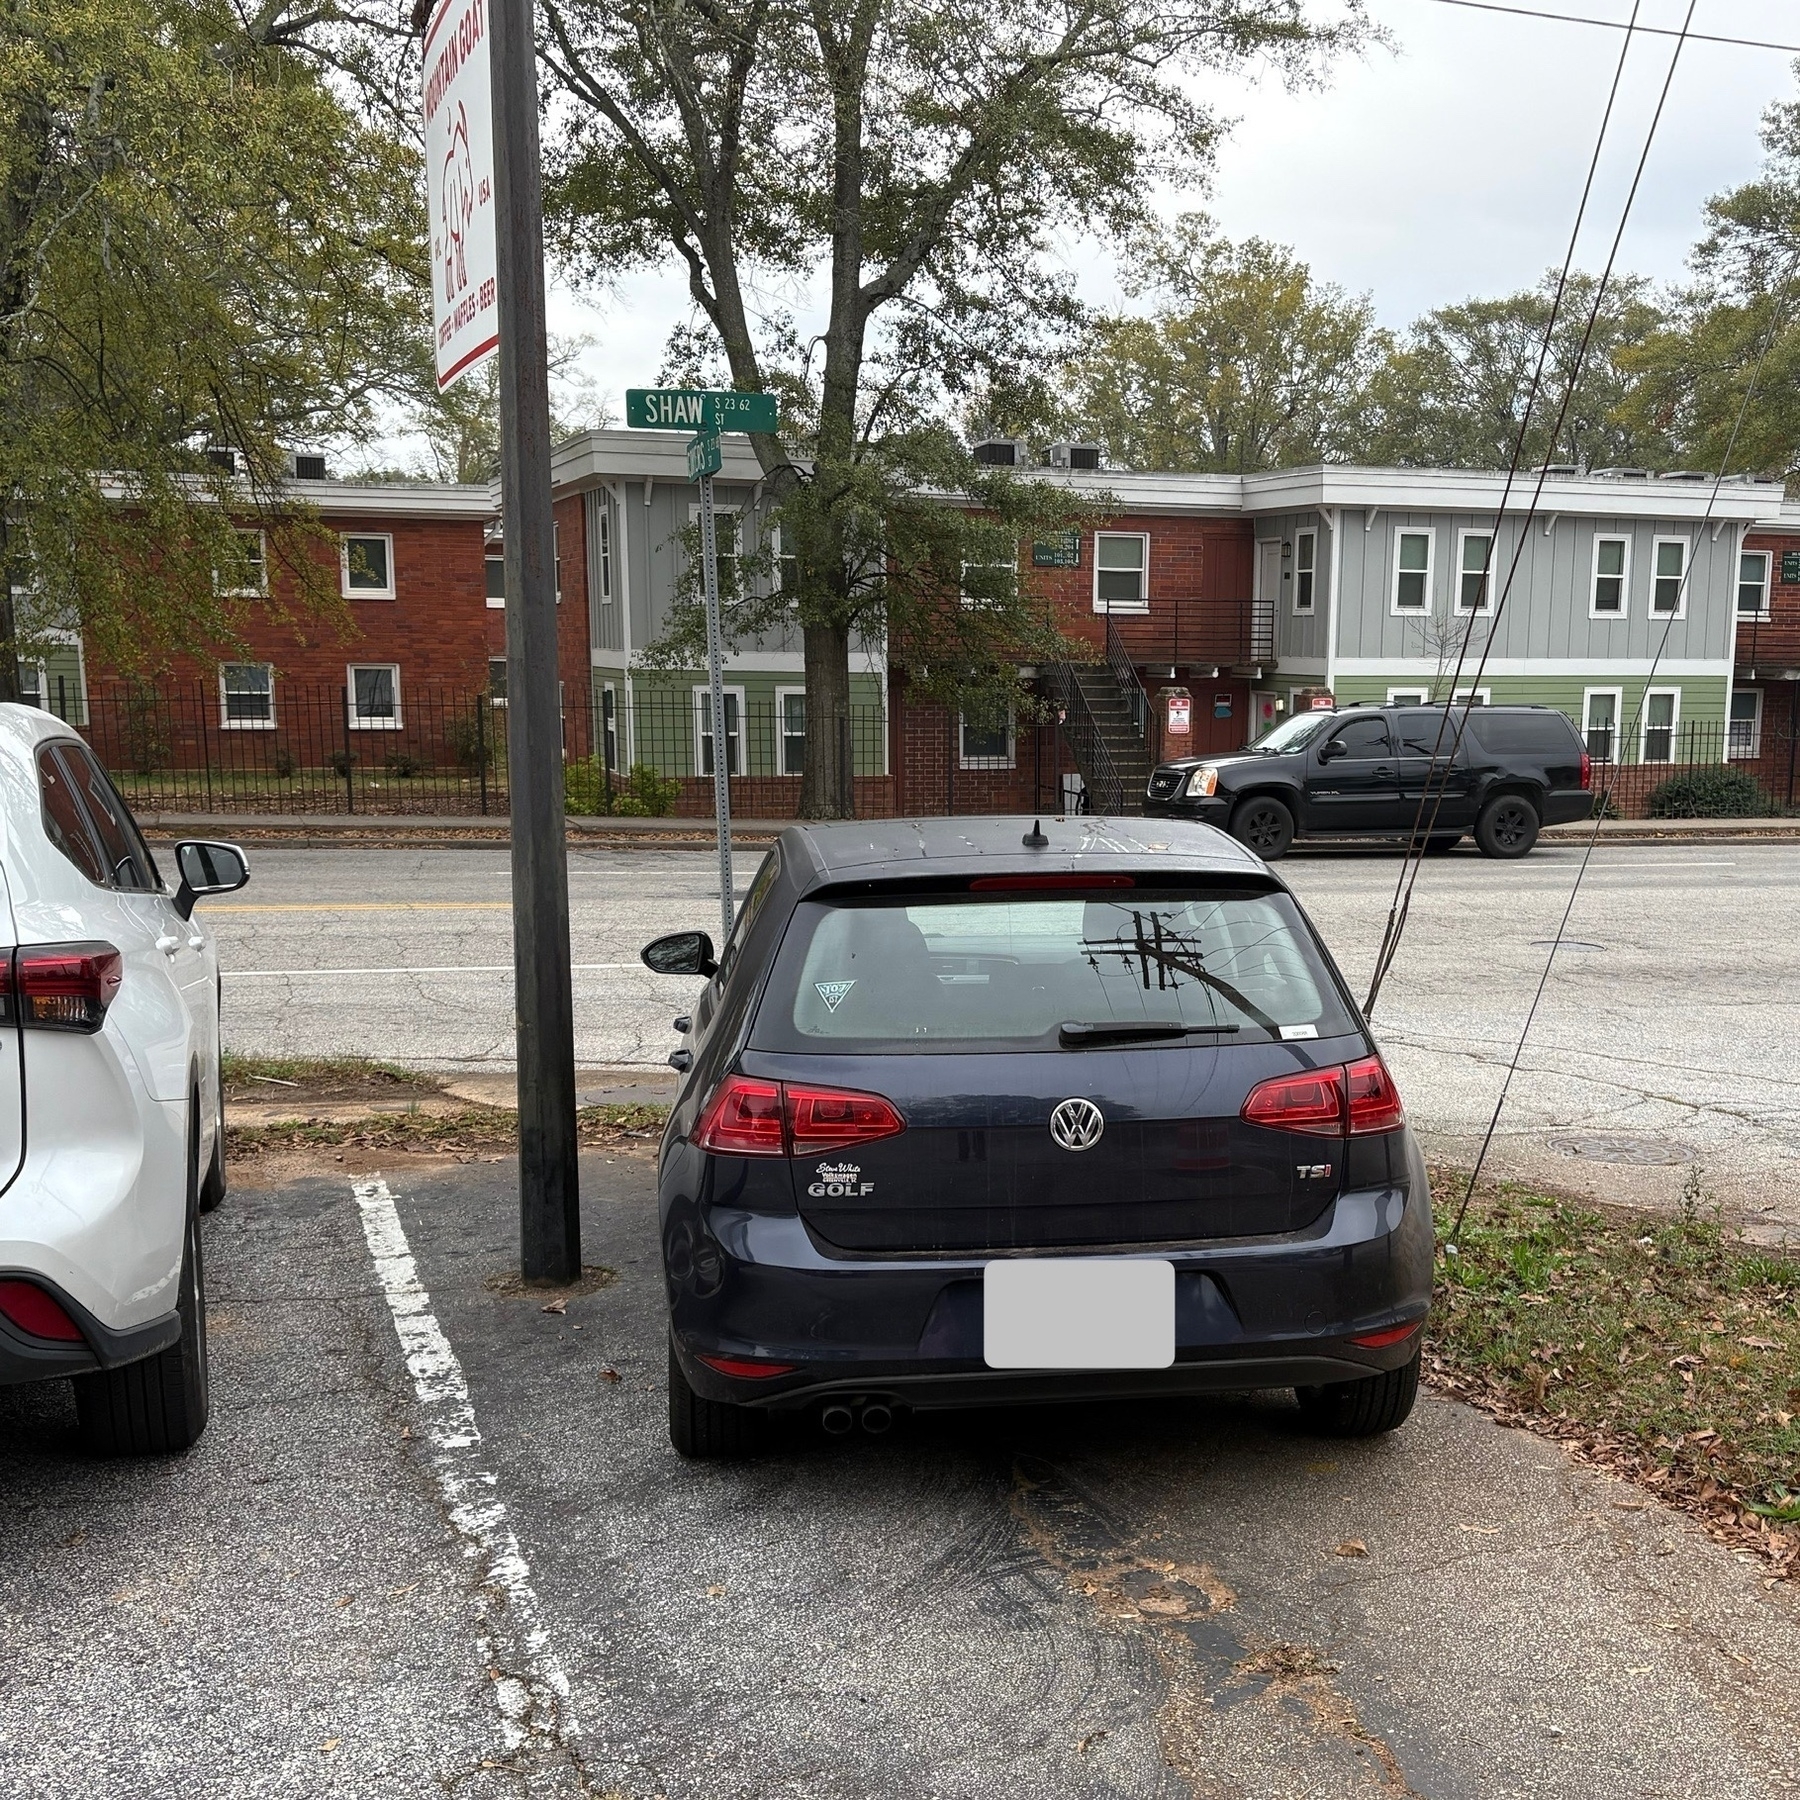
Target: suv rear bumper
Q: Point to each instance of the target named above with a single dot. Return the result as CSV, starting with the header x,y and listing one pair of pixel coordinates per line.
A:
x,y
25,1358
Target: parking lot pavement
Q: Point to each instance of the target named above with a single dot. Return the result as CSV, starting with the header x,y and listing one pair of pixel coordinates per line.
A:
x,y
1663,1040
1169,1600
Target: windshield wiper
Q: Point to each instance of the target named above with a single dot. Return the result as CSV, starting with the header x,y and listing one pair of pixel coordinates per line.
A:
x,y
1073,1033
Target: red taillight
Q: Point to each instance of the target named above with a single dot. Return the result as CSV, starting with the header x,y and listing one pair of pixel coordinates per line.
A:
x,y
1315,1101
37,1313
1374,1100
65,987
747,1368
1587,770
835,1119
744,1119
1393,1334
765,1118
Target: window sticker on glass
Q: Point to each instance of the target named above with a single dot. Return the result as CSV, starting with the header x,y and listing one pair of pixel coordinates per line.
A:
x,y
833,992
1299,1031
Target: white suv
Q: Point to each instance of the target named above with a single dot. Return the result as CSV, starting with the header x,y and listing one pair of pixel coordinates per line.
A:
x,y
111,1121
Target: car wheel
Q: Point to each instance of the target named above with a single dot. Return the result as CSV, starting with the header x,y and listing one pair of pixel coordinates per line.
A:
x,y
704,1430
1365,1408
158,1406
1508,826
1444,842
1265,826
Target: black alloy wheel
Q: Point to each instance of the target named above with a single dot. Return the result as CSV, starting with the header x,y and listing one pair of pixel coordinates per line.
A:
x,y
1508,827
1366,1408
1265,826
706,1430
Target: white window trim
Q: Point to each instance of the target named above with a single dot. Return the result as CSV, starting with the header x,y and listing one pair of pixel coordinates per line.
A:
x,y
1011,759
1768,585
226,722
1687,579
1595,610
262,542
603,535
611,687
702,721
1755,749
972,602
494,553
1483,696
366,593
68,640
1674,726
1412,696
1125,608
1618,724
493,698
1312,605
1487,599
357,722
781,694
1401,534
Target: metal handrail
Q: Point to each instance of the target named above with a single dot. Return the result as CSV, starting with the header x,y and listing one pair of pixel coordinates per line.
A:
x,y
1125,674
1078,728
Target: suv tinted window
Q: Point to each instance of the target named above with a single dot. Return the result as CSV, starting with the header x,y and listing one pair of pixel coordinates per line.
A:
x,y
65,820
76,790
1536,734
1423,730
1363,739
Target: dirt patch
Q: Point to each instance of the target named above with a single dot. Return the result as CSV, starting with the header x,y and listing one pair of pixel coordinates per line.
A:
x,y
302,1081
508,1284
461,1133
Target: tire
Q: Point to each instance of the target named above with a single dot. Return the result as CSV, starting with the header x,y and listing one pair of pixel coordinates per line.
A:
x,y
1365,1408
1508,826
212,1189
1443,843
710,1430
1264,825
157,1407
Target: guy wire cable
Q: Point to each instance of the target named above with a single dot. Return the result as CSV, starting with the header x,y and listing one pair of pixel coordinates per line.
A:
x,y
1397,918
1776,311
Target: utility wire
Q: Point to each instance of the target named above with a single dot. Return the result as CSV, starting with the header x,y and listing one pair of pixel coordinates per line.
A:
x,y
1410,863
1769,336
1695,37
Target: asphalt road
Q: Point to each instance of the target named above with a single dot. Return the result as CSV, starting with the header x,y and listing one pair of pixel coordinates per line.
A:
x,y
1664,1041
359,1585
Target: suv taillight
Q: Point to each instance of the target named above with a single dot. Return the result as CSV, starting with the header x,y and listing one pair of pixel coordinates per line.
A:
x,y
62,987
1587,771
37,1313
1353,1099
747,1117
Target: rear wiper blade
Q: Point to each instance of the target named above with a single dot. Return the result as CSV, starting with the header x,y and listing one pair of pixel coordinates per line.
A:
x,y
1074,1032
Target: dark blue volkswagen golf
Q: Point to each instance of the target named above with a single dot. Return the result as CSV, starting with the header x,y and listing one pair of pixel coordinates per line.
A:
x,y
976,1112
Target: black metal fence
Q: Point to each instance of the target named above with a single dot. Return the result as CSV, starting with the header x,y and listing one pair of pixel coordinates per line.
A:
x,y
425,749
1749,762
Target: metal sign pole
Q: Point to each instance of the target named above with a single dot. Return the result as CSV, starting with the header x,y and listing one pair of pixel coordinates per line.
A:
x,y
716,674
549,1193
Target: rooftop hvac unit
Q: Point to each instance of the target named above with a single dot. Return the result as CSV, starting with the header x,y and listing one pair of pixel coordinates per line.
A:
x,y
1001,453
1562,469
1073,456
304,466
221,456
1685,475
1620,474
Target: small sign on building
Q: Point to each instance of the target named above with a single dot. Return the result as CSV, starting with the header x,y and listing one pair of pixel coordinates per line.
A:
x,y
1790,565
1180,711
1060,550
459,189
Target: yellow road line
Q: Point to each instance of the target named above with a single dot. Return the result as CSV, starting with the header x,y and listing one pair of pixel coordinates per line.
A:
x,y
299,906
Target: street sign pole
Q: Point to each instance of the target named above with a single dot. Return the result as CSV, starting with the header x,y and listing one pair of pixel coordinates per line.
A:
x,y
549,1193
705,464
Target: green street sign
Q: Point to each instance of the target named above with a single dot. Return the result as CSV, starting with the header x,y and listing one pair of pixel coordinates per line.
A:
x,y
703,455
698,409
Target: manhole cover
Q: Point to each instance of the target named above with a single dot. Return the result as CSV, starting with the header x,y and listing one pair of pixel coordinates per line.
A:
x,y
1606,1146
1566,944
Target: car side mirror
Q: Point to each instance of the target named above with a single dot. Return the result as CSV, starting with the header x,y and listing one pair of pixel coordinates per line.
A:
x,y
681,953
1332,749
207,869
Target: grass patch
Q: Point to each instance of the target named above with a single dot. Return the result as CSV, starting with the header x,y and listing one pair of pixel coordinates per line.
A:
x,y
319,1078
1659,1344
468,1131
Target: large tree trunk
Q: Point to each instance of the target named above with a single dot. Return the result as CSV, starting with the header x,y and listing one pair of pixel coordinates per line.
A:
x,y
826,790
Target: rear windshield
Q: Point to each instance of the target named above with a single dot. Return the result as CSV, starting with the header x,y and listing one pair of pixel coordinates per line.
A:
x,y
1542,734
930,972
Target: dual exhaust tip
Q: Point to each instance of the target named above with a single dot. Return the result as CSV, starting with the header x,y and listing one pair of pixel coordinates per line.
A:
x,y
839,1419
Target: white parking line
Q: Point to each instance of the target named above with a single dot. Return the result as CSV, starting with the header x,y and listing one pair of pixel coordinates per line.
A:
x,y
531,1686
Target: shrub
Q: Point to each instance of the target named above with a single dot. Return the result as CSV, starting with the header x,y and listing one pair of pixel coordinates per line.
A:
x,y
1709,794
643,794
584,787
403,765
469,741
342,762
283,764
629,806
656,793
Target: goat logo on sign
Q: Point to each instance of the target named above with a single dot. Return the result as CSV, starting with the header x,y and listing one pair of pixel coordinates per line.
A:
x,y
459,204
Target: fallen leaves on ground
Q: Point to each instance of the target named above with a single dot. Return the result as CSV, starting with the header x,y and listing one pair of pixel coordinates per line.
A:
x,y
463,1132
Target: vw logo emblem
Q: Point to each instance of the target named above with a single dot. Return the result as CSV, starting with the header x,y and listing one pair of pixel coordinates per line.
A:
x,y
1077,1124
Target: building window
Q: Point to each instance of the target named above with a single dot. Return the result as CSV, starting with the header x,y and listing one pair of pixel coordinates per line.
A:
x,y
1473,575
988,585
1744,737
556,560
725,549
1611,564
1668,598
247,696
253,548
374,696
1662,713
1600,721
1473,697
367,563
609,724
1753,584
703,737
986,743
496,580
1412,571
604,516
790,722
787,564
1306,556
497,680
1121,571
1406,697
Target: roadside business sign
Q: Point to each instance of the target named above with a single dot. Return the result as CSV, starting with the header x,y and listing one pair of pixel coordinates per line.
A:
x,y
699,409
459,189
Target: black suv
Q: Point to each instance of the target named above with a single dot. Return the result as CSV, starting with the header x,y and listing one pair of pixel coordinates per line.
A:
x,y
1362,772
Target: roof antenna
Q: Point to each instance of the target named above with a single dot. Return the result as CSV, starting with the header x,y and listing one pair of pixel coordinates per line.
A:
x,y
1034,839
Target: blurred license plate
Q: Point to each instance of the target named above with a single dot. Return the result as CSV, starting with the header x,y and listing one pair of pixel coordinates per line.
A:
x,y
1073,1312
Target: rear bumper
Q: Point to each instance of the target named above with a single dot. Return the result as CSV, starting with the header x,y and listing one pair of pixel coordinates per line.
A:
x,y
1568,809
1270,1312
24,1358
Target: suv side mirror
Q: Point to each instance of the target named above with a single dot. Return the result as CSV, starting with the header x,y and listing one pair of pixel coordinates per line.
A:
x,y
680,953
207,869
1332,749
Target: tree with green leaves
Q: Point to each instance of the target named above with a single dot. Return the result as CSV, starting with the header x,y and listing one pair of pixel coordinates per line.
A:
x,y
918,165
202,248
1246,363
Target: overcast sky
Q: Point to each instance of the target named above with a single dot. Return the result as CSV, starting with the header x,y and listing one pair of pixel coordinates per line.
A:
x,y
1444,167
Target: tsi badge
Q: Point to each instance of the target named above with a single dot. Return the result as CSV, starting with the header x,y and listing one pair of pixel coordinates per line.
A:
x,y
839,1181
